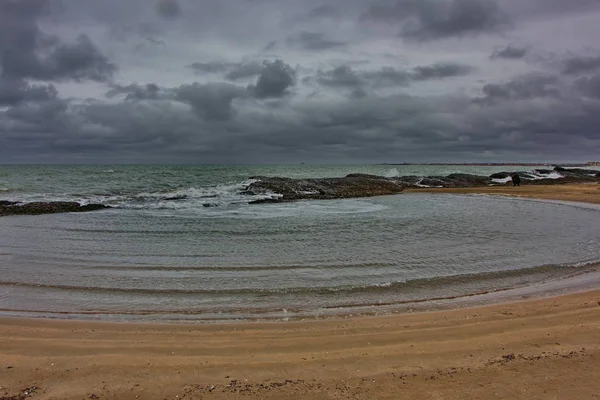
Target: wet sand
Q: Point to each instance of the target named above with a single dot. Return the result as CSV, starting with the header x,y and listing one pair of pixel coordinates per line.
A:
x,y
545,348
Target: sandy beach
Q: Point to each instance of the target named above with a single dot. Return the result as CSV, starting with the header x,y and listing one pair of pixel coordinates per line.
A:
x,y
546,348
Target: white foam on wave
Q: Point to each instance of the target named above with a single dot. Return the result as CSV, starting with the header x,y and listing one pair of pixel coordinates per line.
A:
x,y
312,208
502,180
419,184
534,176
392,173
192,198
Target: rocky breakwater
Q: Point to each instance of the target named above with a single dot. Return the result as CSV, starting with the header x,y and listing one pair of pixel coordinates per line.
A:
x,y
557,175
51,207
350,186
288,189
364,185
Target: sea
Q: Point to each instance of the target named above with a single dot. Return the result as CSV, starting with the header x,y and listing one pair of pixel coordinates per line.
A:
x,y
181,243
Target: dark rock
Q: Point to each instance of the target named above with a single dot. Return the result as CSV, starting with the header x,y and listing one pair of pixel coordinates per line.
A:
x,y
367,176
324,188
500,175
51,207
366,185
7,203
465,180
210,205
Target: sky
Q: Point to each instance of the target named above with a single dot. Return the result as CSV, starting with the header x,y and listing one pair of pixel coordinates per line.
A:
x,y
314,81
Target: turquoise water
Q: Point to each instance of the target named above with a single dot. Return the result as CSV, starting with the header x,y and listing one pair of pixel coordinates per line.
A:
x,y
161,254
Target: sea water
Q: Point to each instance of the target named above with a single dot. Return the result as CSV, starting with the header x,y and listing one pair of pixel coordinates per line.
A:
x,y
183,244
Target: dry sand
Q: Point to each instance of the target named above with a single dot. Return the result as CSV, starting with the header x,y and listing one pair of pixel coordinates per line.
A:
x,y
533,349
588,193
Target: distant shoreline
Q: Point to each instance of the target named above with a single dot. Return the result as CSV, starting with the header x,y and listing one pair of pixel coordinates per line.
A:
x,y
499,164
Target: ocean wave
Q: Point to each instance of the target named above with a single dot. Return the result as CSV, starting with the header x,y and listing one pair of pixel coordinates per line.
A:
x,y
191,198
437,282
392,173
536,175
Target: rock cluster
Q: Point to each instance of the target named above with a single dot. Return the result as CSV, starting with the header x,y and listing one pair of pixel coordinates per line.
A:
x,y
365,185
50,207
323,188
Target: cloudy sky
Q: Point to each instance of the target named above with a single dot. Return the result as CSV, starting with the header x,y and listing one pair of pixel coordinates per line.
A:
x,y
282,81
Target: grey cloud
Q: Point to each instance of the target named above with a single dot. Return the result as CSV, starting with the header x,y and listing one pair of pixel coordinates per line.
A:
x,y
370,128
313,41
78,61
270,46
524,87
537,116
440,71
33,118
209,67
14,92
26,52
589,86
244,71
149,91
424,20
232,71
274,80
212,101
168,8
533,9
580,64
346,77
342,76
324,11
510,53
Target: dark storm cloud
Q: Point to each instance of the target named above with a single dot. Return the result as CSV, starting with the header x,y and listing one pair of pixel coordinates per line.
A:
x,y
27,52
342,76
509,52
424,20
346,77
581,64
274,81
232,71
168,8
14,92
313,41
440,71
213,126
523,87
134,91
405,103
211,67
212,101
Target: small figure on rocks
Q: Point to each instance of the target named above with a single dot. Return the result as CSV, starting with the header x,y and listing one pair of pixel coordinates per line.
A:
x,y
516,179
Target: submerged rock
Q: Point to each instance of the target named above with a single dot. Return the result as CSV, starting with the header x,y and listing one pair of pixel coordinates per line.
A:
x,y
51,207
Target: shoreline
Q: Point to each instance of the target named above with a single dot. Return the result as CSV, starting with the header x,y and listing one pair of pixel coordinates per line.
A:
x,y
583,192
542,348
